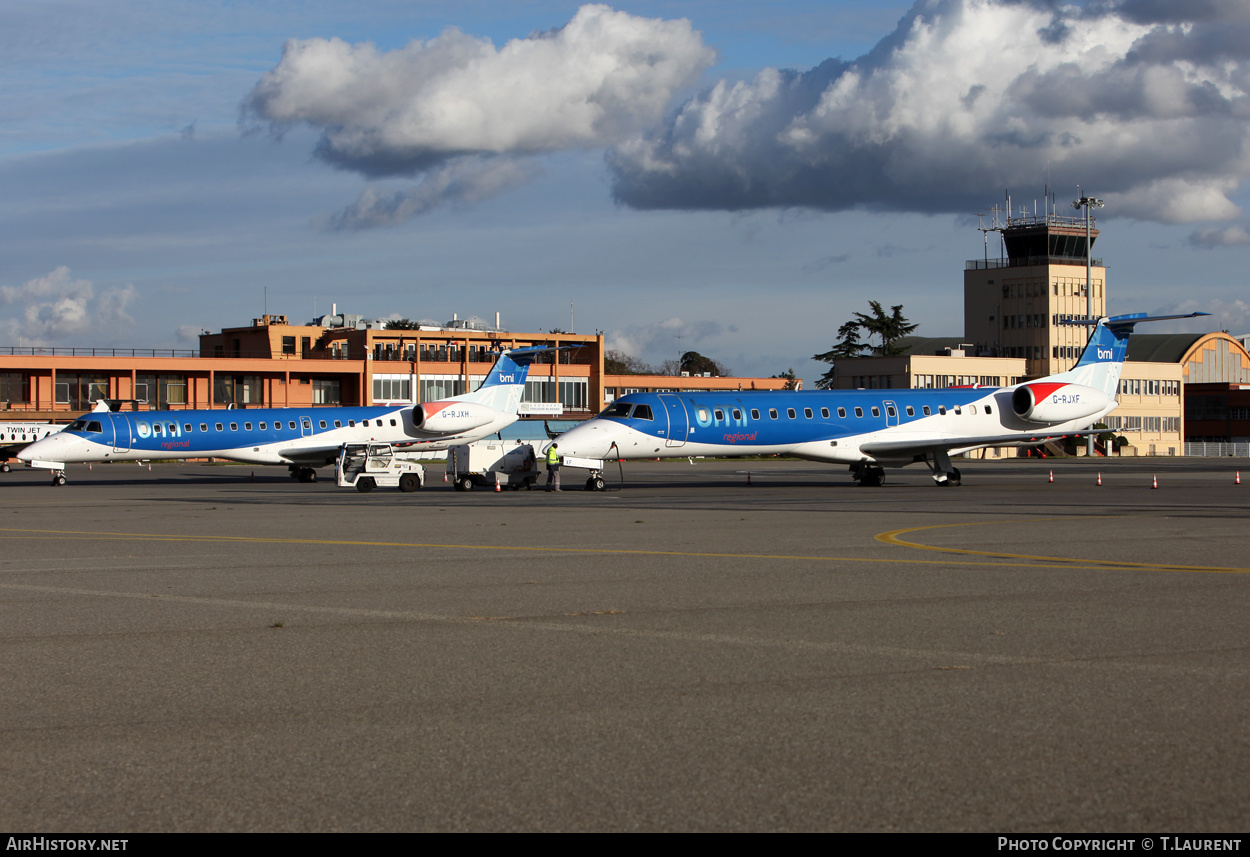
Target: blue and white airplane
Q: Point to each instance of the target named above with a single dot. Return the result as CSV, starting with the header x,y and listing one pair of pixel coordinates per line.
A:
x,y
868,430
301,438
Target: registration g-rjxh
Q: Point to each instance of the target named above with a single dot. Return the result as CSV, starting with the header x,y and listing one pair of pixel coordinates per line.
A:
x,y
868,430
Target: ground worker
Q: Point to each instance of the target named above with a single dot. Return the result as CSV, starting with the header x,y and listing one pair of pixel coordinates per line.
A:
x,y
553,467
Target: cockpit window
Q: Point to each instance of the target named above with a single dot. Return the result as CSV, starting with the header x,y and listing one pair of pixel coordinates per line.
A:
x,y
643,412
617,409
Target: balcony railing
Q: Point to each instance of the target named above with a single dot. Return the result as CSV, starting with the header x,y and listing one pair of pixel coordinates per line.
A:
x,y
1027,261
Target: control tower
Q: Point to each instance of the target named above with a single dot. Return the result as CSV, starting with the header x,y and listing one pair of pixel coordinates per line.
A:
x,y
1014,305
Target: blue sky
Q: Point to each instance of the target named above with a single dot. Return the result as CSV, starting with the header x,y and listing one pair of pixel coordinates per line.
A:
x,y
164,164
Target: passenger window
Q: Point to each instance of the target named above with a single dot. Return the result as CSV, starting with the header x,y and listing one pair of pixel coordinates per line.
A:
x,y
958,410
187,428
859,412
292,423
807,412
926,410
772,413
364,423
889,409
755,415
988,409
323,423
234,427
911,412
737,414
219,427
972,409
643,412
247,426
824,413
790,413
203,426
720,415
156,428
876,412
841,413
350,424
941,410
262,426
338,423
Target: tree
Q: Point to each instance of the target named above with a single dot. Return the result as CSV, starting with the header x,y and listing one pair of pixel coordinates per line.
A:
x,y
887,328
402,324
792,380
619,363
696,364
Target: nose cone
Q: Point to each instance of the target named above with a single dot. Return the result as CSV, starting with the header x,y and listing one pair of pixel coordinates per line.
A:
x,y
591,439
58,447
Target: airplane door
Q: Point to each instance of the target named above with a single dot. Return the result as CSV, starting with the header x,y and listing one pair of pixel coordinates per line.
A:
x,y
305,426
891,413
678,420
121,434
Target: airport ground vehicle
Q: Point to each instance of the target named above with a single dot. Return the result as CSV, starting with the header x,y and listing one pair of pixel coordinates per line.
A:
x,y
485,463
513,464
376,465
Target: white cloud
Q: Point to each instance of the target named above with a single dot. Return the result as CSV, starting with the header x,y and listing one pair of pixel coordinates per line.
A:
x,y
465,180
658,342
1231,315
1143,103
1215,236
602,76
56,307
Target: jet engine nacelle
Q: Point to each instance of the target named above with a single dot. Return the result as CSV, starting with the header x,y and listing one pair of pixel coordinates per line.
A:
x,y
440,418
1057,403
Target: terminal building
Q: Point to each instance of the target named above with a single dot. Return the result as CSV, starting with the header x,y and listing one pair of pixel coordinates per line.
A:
x,y
1018,310
337,359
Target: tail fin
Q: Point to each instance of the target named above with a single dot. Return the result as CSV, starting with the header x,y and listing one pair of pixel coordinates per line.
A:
x,y
505,382
1102,360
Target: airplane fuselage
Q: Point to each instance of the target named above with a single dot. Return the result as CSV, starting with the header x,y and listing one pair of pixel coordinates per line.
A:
x,y
819,425
304,436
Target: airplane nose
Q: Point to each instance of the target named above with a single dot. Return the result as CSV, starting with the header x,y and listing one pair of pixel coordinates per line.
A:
x,y
591,439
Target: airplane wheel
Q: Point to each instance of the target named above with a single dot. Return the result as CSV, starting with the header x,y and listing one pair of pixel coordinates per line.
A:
x,y
409,483
4,468
59,479
464,483
364,484
312,475
597,484
953,477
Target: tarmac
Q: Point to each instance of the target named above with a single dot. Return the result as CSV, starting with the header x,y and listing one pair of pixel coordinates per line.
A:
x,y
716,645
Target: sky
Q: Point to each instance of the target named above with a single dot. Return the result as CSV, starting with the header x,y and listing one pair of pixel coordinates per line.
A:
x,y
728,177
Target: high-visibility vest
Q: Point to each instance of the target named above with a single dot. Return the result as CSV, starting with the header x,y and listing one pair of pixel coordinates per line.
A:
x,y
553,456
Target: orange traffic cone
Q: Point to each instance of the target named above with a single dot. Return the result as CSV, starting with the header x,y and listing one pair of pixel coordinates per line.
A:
x,y
1154,481
1052,476
496,484
1237,481
1099,482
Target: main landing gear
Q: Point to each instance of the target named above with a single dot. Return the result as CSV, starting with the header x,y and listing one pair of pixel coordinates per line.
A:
x,y
944,473
304,474
868,476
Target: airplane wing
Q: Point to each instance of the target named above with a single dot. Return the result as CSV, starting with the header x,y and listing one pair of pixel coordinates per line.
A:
x,y
920,446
